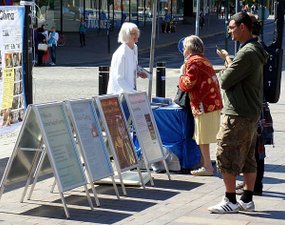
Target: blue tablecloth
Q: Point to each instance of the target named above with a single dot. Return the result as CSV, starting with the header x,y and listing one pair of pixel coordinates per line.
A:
x,y
176,128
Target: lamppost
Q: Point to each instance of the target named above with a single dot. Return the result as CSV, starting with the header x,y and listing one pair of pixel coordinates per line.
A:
x,y
28,53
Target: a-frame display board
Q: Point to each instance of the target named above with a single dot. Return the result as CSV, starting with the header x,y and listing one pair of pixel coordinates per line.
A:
x,y
45,132
146,128
115,126
89,135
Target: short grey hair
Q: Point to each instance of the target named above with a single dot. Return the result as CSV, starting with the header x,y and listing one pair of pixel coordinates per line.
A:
x,y
126,30
194,44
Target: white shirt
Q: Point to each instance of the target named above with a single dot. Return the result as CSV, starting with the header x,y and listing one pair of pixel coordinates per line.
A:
x,y
123,71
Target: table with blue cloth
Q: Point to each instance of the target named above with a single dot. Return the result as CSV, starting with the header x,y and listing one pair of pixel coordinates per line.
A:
x,y
176,128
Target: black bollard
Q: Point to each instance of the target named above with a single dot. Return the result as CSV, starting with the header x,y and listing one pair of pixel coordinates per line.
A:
x,y
160,79
103,79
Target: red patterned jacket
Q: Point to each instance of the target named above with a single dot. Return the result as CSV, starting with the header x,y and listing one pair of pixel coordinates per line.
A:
x,y
201,82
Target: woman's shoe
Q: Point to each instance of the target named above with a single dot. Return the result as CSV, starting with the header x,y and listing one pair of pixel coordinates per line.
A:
x,y
201,172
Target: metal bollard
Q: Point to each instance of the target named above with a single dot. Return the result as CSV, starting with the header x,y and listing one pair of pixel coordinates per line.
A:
x,y
160,79
103,79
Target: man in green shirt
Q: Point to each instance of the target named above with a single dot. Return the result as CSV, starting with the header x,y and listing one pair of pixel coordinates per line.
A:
x,y
242,85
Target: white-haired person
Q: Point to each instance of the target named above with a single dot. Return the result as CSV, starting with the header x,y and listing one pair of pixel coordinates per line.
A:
x,y
123,71
200,81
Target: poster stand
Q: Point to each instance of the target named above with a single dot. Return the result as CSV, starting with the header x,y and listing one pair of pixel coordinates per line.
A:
x,y
45,145
146,129
120,144
88,132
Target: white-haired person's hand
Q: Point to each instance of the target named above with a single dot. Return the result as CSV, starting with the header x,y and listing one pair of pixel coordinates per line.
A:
x,y
142,74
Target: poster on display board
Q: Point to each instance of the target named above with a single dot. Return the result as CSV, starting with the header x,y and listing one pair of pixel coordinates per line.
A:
x,y
145,126
87,128
11,68
111,110
61,147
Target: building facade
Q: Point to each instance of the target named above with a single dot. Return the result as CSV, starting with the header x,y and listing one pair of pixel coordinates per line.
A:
x,y
65,15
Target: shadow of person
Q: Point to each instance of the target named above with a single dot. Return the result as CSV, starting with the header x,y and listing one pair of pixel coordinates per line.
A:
x,y
270,214
274,194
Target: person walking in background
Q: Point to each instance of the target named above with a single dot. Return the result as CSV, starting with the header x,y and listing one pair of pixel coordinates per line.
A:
x,y
82,31
242,84
123,71
44,31
200,81
52,41
167,20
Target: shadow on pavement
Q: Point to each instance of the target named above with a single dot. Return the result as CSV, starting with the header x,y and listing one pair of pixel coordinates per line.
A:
x,y
277,215
106,213
96,216
274,194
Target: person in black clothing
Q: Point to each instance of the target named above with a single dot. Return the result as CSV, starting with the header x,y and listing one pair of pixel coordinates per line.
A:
x,y
41,38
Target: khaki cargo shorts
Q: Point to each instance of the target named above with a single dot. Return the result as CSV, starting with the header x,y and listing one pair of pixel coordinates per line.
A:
x,y
236,141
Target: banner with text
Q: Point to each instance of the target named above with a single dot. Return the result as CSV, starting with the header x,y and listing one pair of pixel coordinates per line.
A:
x,y
11,70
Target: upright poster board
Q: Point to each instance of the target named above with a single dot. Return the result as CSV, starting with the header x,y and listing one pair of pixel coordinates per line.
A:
x,y
146,129
50,133
61,147
114,122
89,134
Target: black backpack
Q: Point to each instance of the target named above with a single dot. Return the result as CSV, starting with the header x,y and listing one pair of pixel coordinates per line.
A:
x,y
265,126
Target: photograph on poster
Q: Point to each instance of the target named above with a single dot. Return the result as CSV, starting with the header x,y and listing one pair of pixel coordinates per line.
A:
x,y
15,102
16,60
18,74
15,114
118,131
150,126
5,33
6,117
20,102
18,88
93,130
8,60
20,115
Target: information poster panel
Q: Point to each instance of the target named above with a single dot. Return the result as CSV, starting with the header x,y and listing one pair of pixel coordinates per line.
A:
x,y
118,131
11,68
90,137
61,146
145,126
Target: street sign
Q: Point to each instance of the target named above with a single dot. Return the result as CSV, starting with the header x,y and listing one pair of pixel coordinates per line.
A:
x,y
180,45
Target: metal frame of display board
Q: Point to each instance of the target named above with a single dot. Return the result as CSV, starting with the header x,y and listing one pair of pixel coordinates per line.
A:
x,y
146,129
124,128
95,132
34,118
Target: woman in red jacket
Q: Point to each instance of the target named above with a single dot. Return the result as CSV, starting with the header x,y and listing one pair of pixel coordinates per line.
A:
x,y
200,81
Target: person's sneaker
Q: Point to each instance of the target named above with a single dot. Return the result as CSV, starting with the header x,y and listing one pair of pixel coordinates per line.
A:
x,y
225,206
249,207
